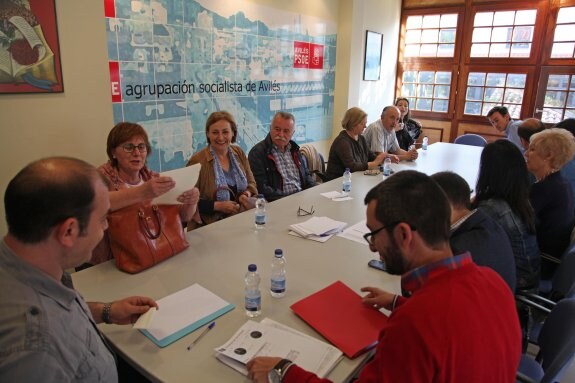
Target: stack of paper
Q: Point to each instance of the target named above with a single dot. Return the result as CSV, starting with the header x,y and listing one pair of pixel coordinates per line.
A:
x,y
317,228
270,338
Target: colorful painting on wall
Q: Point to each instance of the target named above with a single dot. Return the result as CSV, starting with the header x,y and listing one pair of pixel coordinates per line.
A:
x,y
173,62
29,51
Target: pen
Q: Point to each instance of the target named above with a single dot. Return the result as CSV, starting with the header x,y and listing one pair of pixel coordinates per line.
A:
x,y
210,326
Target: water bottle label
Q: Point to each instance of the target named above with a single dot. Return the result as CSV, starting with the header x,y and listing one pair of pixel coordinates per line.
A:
x,y
386,171
253,303
346,187
260,219
278,285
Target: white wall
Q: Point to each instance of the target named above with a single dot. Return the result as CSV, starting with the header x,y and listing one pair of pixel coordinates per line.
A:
x,y
381,16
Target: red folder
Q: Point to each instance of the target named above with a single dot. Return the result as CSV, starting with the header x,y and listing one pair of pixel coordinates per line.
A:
x,y
336,312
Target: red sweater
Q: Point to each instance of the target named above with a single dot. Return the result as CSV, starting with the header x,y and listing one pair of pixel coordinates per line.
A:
x,y
460,326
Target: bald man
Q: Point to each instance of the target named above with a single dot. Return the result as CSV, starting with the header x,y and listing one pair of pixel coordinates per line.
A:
x,y
381,138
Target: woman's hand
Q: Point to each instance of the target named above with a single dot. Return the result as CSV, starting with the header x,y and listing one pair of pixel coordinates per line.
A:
x,y
189,200
227,207
380,158
245,200
157,186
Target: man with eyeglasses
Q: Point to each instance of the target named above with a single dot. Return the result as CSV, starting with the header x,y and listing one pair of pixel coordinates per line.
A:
x,y
455,321
277,163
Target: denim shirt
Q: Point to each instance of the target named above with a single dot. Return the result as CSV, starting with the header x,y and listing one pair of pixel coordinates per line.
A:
x,y
523,243
48,333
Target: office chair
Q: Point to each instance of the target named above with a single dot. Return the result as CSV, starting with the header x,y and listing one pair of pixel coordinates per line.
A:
x,y
561,286
470,139
556,347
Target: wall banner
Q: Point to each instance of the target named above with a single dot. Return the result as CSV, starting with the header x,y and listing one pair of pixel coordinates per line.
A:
x,y
173,62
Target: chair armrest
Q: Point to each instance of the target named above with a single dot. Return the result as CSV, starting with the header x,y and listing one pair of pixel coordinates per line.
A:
x,y
536,298
551,258
530,303
521,377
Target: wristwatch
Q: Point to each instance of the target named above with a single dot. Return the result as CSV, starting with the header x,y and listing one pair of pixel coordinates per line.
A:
x,y
277,373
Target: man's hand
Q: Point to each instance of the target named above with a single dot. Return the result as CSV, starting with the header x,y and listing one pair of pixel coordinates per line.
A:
x,y
128,310
259,367
412,153
377,298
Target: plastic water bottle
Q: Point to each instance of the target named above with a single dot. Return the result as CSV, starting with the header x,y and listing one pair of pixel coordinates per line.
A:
x,y
253,296
424,143
278,275
346,183
387,166
260,212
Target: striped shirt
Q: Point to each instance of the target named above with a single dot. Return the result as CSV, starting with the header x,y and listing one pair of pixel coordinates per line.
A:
x,y
287,168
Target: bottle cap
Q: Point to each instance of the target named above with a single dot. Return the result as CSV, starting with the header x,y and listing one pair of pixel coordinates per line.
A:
x,y
252,267
279,253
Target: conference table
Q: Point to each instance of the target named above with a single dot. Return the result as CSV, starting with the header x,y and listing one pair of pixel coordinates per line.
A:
x,y
218,258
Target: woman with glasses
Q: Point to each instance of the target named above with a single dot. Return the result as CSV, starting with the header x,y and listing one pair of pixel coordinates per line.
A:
x,y
130,181
226,182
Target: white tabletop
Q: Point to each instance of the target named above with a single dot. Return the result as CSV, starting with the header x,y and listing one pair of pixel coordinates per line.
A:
x,y
218,257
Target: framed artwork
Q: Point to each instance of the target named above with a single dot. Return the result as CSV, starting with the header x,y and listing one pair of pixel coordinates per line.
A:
x,y
372,63
29,50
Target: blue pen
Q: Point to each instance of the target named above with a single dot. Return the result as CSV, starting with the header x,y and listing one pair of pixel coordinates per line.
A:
x,y
210,326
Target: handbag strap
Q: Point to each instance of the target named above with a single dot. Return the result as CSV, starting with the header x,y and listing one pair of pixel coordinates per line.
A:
x,y
145,224
232,194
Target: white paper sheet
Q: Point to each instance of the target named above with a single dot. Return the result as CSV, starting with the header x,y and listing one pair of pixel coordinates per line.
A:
x,y
334,194
145,319
182,308
185,178
356,232
270,338
318,226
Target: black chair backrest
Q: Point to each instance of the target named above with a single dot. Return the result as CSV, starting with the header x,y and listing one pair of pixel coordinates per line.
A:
x,y
557,340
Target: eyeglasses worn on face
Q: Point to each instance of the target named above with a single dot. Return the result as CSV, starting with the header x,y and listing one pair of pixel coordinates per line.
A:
x,y
369,236
129,148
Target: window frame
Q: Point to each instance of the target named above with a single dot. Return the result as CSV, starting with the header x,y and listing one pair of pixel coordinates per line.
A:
x,y
444,64
542,10
527,93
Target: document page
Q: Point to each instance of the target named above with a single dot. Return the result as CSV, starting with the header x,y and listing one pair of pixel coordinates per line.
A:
x,y
356,232
270,338
183,312
185,178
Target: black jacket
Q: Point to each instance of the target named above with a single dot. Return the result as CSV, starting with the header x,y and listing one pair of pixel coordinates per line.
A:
x,y
488,244
268,178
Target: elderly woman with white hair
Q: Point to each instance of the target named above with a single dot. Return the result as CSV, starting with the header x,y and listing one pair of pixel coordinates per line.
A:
x,y
551,195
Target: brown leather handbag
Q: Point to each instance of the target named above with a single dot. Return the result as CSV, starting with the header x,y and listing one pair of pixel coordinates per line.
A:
x,y
143,235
